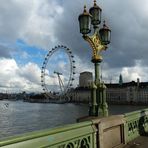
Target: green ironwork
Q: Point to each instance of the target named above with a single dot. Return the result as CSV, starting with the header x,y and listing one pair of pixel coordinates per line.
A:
x,y
98,42
79,135
104,103
136,124
93,105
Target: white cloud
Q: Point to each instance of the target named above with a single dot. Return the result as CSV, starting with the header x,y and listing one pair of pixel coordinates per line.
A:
x,y
132,73
30,20
47,22
31,72
128,73
26,77
18,78
39,28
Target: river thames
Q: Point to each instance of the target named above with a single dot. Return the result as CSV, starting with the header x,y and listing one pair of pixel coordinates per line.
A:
x,y
17,117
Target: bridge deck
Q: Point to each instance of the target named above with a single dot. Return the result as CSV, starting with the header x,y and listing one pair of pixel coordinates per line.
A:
x,y
140,142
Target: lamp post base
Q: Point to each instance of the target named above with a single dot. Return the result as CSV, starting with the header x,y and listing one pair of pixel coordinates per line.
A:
x,y
93,110
104,109
100,110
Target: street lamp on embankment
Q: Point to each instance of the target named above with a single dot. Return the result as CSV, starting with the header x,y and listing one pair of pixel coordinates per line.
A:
x,y
98,42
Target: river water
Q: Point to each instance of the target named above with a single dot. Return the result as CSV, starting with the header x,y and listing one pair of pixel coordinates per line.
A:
x,y
17,117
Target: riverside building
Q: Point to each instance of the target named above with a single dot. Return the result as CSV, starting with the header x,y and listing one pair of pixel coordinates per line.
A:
x,y
117,93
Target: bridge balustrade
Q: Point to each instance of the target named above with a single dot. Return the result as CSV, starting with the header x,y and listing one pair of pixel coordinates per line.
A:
x,y
79,135
91,132
136,124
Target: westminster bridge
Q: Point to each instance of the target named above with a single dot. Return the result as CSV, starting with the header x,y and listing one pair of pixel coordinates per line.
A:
x,y
116,131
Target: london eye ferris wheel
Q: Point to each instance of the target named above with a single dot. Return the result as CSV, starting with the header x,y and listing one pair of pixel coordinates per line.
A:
x,y
57,72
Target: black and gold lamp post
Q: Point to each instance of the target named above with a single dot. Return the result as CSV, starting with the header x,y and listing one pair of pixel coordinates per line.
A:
x,y
98,42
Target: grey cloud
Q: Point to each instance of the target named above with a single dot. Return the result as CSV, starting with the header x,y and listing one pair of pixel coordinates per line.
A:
x,y
129,34
12,19
127,20
5,52
129,31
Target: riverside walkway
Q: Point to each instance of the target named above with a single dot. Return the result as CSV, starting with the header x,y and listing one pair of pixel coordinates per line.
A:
x,y
118,131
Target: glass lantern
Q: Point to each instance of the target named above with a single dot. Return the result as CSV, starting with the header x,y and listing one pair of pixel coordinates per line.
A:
x,y
105,34
85,22
95,11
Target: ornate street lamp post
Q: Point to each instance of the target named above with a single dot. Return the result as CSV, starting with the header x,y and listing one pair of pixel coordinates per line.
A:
x,y
98,42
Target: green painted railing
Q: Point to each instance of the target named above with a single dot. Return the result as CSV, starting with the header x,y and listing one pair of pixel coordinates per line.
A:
x,y
136,124
79,135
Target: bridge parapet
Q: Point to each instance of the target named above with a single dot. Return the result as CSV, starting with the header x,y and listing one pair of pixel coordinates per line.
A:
x,y
91,132
80,135
110,131
136,124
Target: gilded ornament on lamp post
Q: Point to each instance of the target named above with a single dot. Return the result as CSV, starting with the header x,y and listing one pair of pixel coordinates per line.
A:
x,y
96,45
98,42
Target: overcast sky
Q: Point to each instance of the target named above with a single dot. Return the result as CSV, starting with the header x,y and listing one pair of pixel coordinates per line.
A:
x,y
29,28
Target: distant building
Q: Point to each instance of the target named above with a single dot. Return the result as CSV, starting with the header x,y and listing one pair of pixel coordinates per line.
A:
x,y
131,92
117,93
82,92
85,79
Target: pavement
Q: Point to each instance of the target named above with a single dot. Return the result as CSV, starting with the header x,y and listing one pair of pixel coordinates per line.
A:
x,y
140,142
